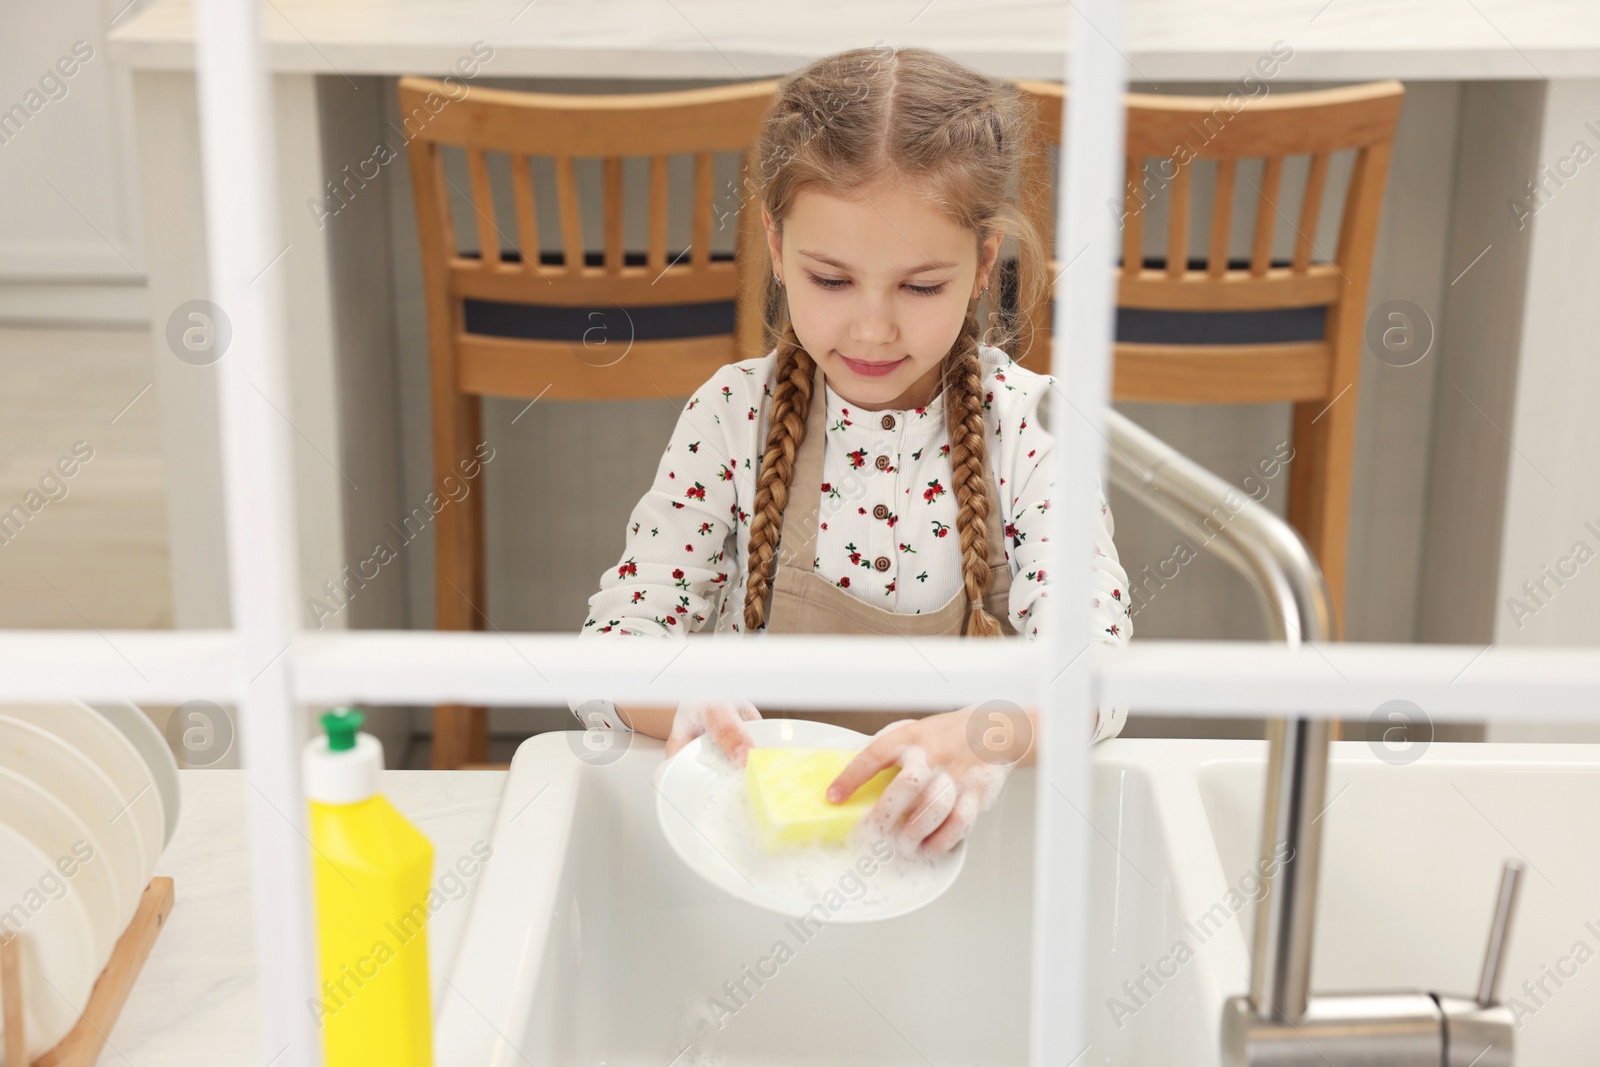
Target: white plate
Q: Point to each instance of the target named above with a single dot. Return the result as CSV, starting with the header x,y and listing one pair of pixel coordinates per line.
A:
x,y
704,813
69,776
51,827
108,748
57,940
137,728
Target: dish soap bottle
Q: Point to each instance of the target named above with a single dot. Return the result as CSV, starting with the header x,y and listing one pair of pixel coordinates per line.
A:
x,y
372,870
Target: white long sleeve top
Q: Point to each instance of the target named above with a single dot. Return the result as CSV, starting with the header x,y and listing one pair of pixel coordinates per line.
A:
x,y
684,568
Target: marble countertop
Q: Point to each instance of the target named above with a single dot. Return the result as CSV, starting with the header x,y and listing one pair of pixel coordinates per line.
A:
x,y
197,999
1194,40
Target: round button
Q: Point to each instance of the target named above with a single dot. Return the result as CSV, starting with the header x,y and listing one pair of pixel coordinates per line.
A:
x,y
888,422
881,511
882,563
882,463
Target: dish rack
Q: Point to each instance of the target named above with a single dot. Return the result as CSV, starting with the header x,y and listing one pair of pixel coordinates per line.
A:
x,y
82,1045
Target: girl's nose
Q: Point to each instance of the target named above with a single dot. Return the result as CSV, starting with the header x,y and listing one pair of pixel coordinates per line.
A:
x,y
874,324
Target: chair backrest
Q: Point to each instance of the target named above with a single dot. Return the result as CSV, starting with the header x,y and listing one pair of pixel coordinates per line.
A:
x,y
1166,137
484,123
478,302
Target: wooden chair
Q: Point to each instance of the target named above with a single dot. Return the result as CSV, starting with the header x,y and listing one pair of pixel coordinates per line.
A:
x,y
466,365
1318,376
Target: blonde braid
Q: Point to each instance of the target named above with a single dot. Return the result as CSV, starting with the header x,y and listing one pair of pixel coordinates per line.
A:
x,y
963,389
791,399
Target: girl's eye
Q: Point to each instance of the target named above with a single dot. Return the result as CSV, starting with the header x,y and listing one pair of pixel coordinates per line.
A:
x,y
839,283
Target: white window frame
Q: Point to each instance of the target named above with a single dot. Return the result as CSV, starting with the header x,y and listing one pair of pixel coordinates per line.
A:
x,y
272,672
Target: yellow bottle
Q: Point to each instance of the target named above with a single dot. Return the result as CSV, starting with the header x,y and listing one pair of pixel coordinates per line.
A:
x,y
372,872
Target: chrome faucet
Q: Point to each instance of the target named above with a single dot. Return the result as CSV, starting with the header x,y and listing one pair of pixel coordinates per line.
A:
x,y
1279,1023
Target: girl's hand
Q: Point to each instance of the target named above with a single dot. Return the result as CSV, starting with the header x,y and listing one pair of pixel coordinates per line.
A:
x,y
942,786
721,721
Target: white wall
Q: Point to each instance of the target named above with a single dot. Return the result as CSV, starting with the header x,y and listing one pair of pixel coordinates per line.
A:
x,y
70,246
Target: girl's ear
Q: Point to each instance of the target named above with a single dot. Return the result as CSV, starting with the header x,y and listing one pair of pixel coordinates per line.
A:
x,y
986,260
774,240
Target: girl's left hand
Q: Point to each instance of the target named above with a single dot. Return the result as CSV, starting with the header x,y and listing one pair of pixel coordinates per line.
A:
x,y
942,785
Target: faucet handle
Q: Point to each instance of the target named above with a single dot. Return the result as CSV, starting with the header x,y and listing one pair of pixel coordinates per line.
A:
x,y
1494,956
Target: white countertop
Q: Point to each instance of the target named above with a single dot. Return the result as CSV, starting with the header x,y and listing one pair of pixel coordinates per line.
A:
x,y
197,999
1199,40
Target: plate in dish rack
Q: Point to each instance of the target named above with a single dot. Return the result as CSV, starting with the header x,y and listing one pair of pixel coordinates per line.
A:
x,y
704,812
57,940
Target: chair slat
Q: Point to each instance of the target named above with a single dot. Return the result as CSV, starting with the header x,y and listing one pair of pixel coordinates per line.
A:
x,y
1133,218
612,209
1178,221
1266,215
657,257
701,238
527,217
1221,218
483,208
571,216
1310,208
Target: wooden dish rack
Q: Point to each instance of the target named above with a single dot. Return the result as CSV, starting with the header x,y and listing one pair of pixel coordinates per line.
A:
x,y
82,1045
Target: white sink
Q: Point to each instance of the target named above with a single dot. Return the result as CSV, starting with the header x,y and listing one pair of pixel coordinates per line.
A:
x,y
590,943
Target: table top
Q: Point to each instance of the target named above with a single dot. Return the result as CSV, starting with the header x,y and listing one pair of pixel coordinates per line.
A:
x,y
1167,40
197,999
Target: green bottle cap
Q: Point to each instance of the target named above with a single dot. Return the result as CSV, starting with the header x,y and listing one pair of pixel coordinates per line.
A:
x,y
342,725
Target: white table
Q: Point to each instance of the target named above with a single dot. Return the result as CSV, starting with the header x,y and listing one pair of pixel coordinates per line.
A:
x,y
197,999
1504,421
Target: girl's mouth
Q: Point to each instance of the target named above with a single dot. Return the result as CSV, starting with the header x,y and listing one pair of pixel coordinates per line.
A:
x,y
872,370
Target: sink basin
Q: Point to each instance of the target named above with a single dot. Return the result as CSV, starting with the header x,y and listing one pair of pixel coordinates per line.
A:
x,y
589,942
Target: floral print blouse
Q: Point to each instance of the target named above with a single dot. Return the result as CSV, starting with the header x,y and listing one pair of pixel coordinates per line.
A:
x,y
885,495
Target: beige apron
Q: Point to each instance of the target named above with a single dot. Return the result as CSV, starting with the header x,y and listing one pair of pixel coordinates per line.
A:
x,y
804,602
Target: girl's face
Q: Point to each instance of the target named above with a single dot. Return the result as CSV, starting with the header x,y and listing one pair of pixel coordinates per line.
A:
x,y
877,288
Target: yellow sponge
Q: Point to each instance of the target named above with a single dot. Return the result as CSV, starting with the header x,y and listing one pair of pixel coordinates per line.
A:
x,y
788,794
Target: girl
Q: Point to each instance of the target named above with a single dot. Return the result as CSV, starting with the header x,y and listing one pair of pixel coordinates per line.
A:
x,y
882,469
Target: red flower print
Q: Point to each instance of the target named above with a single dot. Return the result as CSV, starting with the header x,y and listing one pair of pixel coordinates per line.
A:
x,y
638,595
677,572
726,473
940,529
752,416
698,492
826,487
672,474
1032,452
844,583
888,589
892,519
934,490
858,458
628,569
727,393
855,554
705,527
1011,529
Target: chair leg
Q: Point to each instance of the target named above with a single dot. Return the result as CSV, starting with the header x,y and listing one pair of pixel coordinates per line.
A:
x,y
460,736
1319,489
460,733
